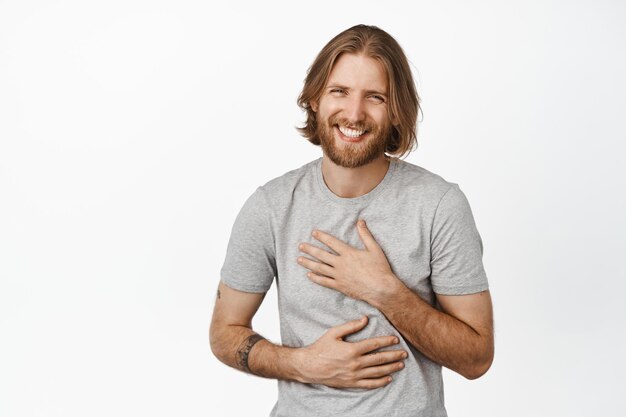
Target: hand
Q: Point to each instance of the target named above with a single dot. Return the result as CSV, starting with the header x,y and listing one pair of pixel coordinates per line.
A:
x,y
335,363
361,274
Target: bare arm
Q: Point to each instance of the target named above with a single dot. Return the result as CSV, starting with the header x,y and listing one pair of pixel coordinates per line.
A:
x,y
329,361
233,340
459,338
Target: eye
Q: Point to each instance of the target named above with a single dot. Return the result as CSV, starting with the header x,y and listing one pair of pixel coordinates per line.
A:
x,y
337,91
377,98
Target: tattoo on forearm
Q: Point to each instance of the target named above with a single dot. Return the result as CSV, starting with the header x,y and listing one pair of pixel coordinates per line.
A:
x,y
244,350
219,295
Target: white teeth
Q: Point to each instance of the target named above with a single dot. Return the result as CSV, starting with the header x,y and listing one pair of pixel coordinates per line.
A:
x,y
351,133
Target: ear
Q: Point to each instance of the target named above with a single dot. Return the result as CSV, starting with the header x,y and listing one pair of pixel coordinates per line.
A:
x,y
313,104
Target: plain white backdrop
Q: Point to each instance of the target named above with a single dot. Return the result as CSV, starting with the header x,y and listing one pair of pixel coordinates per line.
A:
x,y
131,133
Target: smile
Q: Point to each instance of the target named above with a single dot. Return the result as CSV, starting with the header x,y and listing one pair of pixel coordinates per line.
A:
x,y
351,135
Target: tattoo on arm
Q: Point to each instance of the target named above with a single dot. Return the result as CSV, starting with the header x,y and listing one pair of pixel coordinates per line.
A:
x,y
244,350
219,295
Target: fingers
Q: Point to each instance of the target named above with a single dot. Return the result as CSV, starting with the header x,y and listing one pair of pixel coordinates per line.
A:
x,y
320,254
332,242
373,383
366,235
350,327
371,377
381,358
355,364
379,371
368,345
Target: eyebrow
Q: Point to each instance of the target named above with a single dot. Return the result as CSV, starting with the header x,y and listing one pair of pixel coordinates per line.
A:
x,y
382,93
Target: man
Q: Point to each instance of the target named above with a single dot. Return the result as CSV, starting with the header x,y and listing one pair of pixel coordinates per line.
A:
x,y
369,312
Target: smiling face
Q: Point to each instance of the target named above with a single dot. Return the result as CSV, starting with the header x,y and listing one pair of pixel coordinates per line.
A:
x,y
352,117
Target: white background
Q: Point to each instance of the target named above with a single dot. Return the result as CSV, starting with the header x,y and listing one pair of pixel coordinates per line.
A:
x,y
131,133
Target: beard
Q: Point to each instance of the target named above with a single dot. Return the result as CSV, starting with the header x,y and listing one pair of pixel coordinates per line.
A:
x,y
352,155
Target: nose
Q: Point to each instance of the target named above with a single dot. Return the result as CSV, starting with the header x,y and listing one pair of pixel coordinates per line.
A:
x,y
355,109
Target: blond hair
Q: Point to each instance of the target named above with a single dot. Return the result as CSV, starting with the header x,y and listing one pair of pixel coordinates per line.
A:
x,y
403,102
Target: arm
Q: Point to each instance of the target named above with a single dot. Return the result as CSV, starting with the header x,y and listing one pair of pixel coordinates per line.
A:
x,y
329,360
233,340
460,337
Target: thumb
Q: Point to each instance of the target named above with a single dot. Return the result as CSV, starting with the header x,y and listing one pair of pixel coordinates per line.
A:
x,y
347,328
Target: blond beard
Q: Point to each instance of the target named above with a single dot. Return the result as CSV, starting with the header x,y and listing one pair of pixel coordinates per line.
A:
x,y
352,155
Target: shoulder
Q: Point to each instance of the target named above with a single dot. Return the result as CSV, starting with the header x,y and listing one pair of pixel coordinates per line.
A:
x,y
278,191
421,182
444,199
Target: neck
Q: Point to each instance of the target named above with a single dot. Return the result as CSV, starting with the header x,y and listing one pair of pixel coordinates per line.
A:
x,y
354,182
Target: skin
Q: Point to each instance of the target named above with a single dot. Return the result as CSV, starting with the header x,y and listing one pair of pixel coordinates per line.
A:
x,y
329,360
460,337
355,96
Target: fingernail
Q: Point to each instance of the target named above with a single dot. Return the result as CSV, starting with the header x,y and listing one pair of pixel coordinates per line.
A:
x,y
405,355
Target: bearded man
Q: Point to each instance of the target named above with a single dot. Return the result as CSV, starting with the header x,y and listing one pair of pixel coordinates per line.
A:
x,y
377,261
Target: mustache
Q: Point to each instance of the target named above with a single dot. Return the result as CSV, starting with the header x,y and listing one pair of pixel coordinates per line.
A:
x,y
335,120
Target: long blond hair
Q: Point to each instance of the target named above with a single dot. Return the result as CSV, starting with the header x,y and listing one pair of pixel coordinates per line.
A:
x,y
404,103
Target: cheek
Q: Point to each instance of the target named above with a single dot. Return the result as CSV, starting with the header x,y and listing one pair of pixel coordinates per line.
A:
x,y
382,121
329,105
381,116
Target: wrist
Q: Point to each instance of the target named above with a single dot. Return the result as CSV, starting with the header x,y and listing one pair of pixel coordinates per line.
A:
x,y
388,292
269,360
297,360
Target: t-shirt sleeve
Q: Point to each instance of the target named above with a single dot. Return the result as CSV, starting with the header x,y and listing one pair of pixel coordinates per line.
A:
x,y
250,263
456,247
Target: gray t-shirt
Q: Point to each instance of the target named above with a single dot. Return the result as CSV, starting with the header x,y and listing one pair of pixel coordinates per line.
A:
x,y
425,227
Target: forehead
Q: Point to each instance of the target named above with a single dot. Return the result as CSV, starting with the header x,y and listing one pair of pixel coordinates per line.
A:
x,y
358,71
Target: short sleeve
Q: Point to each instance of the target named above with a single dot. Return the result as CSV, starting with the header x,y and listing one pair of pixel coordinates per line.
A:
x,y
250,263
456,247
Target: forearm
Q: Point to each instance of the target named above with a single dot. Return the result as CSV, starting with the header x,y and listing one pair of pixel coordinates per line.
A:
x,y
439,336
242,348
